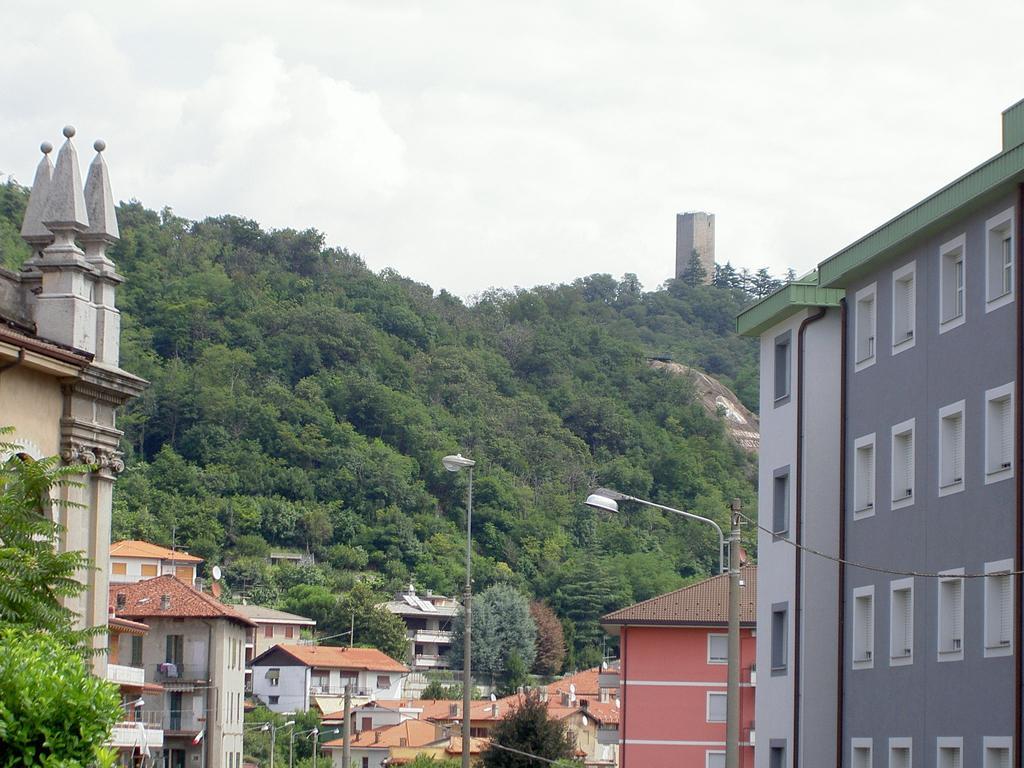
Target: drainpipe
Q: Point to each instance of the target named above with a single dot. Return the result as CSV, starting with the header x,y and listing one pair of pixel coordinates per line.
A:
x,y
841,634
1018,485
798,527
19,361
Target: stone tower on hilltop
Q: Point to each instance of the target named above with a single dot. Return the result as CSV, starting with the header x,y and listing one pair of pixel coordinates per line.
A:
x,y
695,233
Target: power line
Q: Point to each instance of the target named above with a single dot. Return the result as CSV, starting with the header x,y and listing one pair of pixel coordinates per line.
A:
x,y
878,568
520,752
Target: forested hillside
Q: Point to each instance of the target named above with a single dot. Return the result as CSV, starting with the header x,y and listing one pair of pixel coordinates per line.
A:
x,y
300,400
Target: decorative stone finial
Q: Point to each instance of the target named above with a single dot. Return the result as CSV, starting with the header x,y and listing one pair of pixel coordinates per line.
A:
x,y
32,230
99,202
65,205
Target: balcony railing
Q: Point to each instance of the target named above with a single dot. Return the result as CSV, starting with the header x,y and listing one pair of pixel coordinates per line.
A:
x,y
132,735
122,675
432,636
339,690
430,660
168,672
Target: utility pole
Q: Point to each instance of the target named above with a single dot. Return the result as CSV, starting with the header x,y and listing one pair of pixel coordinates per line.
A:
x,y
273,743
316,745
346,747
732,715
467,646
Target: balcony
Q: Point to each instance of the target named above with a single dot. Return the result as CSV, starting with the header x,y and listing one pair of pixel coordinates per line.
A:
x,y
432,636
166,672
430,661
128,735
753,676
122,675
339,690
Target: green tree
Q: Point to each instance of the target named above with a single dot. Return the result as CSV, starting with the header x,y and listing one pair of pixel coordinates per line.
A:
x,y
502,628
34,577
53,711
694,273
374,625
528,728
426,761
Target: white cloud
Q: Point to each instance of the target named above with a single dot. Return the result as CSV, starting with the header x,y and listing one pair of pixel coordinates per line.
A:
x,y
474,144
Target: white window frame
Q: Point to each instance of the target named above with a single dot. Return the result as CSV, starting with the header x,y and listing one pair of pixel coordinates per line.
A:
x,y
948,253
900,480
712,752
994,474
944,413
995,742
950,652
897,656
903,338
707,705
995,297
712,659
865,343
865,506
948,742
995,643
861,743
901,742
863,658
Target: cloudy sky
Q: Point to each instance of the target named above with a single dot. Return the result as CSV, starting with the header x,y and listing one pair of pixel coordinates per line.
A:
x,y
471,144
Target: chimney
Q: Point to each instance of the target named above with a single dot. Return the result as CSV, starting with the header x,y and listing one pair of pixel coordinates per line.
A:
x,y
165,602
403,742
121,600
494,709
565,699
376,737
584,703
453,710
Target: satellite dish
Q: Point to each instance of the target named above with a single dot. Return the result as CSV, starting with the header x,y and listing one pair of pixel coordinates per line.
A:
x,y
572,697
493,697
618,703
584,719
572,687
604,665
216,573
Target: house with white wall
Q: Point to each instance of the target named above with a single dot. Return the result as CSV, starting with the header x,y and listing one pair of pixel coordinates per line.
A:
x,y
287,677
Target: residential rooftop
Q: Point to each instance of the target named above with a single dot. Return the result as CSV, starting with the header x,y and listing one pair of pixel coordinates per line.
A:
x,y
336,657
168,597
143,549
263,615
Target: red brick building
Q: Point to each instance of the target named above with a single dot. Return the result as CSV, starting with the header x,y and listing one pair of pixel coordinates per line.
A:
x,y
673,671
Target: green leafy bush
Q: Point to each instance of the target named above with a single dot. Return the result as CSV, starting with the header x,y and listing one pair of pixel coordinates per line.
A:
x,y
53,712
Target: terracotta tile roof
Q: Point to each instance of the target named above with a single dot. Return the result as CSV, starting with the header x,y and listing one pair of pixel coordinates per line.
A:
x,y
585,682
132,548
416,733
700,604
121,626
476,745
144,600
603,711
339,657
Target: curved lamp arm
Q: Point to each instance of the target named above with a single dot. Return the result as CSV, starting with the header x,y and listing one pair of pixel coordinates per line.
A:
x,y
606,499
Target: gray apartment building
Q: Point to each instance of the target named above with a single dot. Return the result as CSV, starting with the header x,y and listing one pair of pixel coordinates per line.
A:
x,y
891,439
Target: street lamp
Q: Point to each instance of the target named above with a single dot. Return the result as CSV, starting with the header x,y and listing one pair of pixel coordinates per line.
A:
x,y
457,463
315,733
607,500
273,737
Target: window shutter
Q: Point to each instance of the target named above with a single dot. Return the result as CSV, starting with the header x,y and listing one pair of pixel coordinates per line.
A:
x,y
1005,433
908,620
716,707
1004,758
956,437
957,613
1005,598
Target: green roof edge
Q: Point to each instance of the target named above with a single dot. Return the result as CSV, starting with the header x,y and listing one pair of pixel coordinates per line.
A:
x,y
784,302
988,180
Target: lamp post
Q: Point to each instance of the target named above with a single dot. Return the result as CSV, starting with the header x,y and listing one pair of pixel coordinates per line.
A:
x,y
315,733
457,463
273,737
607,500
